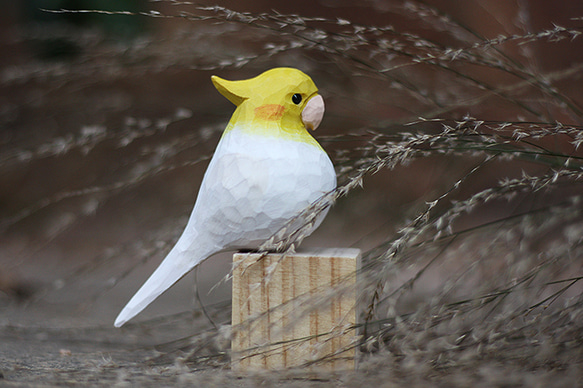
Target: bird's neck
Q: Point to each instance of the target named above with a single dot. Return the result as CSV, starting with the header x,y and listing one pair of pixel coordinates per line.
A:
x,y
269,121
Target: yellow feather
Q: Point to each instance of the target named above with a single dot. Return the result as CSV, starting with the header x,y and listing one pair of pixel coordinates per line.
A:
x,y
264,103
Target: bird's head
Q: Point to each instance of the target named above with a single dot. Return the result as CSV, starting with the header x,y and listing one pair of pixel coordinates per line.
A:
x,y
282,97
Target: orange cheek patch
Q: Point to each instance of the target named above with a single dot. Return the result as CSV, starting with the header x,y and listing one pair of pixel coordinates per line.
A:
x,y
269,112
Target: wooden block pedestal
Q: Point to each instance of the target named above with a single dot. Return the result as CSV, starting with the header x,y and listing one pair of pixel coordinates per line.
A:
x,y
283,317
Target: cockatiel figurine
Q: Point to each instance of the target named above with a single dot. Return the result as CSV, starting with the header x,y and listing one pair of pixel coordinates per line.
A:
x,y
265,171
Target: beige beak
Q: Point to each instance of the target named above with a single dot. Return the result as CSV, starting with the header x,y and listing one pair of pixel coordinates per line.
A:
x,y
313,112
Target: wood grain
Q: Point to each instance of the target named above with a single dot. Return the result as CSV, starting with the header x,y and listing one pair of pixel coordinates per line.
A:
x,y
284,314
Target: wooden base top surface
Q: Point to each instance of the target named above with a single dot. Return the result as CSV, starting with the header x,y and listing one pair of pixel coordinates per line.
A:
x,y
312,252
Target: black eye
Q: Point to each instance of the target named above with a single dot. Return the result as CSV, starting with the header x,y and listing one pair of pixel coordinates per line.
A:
x,y
297,98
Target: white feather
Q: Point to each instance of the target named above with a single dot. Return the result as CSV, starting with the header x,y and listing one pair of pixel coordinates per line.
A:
x,y
253,186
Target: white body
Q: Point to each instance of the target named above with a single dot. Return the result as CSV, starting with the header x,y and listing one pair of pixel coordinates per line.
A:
x,y
254,185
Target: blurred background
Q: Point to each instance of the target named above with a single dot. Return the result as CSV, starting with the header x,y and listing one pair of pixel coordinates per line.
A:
x,y
108,120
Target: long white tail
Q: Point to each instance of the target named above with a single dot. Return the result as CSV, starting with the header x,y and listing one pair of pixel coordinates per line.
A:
x,y
185,255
